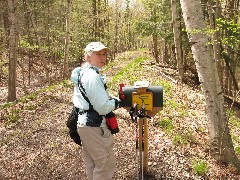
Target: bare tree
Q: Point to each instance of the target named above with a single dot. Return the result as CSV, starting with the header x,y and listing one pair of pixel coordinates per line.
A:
x,y
40,44
67,41
154,35
12,50
177,41
216,36
221,145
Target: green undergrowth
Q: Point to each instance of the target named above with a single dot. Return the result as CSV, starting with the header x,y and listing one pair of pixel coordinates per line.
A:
x,y
130,73
33,96
234,125
174,110
13,110
200,167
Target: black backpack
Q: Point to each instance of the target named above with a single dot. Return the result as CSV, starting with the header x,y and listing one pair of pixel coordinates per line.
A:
x,y
72,126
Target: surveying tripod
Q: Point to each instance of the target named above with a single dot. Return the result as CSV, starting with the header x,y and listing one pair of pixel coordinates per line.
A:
x,y
142,101
139,118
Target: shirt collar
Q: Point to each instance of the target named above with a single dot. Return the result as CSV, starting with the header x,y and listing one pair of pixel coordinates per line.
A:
x,y
88,65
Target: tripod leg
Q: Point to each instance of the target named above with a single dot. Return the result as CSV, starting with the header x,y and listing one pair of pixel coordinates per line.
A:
x,y
137,150
140,132
145,145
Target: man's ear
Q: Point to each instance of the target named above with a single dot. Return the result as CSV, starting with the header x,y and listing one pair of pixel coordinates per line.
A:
x,y
87,56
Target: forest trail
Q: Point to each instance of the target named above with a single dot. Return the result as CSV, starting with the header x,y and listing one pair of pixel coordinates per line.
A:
x,y
37,146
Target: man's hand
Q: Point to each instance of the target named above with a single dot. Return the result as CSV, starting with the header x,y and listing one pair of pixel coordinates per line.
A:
x,y
117,103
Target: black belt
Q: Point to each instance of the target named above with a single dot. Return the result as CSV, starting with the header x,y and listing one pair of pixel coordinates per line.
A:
x,y
82,112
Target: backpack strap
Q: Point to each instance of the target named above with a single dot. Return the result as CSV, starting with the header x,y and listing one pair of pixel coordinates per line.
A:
x,y
82,90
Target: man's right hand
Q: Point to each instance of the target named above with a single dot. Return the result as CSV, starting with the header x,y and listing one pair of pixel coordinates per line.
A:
x,y
117,103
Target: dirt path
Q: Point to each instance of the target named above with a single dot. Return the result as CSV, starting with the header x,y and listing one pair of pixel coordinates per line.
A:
x,y
38,147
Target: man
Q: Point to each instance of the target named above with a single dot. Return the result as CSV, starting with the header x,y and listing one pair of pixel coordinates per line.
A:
x,y
92,100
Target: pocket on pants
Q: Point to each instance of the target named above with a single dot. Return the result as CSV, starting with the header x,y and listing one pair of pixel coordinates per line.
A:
x,y
108,139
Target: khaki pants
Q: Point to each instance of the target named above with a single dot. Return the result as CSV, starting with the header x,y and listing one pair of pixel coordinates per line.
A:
x,y
98,152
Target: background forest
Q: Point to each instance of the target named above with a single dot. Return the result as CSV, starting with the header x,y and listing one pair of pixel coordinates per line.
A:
x,y
42,41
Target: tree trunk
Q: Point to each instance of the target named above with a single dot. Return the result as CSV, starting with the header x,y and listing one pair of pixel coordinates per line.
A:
x,y
230,16
155,47
216,37
12,50
39,42
221,145
227,59
116,28
95,24
67,41
21,64
28,34
163,50
100,25
177,42
154,35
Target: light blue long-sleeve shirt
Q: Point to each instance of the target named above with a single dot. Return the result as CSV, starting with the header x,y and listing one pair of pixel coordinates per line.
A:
x,y
93,84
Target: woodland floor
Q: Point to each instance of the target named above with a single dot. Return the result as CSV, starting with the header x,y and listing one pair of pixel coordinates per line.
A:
x,y
37,146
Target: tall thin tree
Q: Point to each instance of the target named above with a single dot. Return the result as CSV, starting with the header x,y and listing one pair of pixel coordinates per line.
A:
x,y
12,50
177,40
67,41
216,35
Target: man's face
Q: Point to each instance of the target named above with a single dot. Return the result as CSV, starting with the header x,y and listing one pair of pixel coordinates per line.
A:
x,y
98,58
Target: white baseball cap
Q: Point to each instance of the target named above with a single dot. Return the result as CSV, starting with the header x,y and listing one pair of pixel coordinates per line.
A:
x,y
95,46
